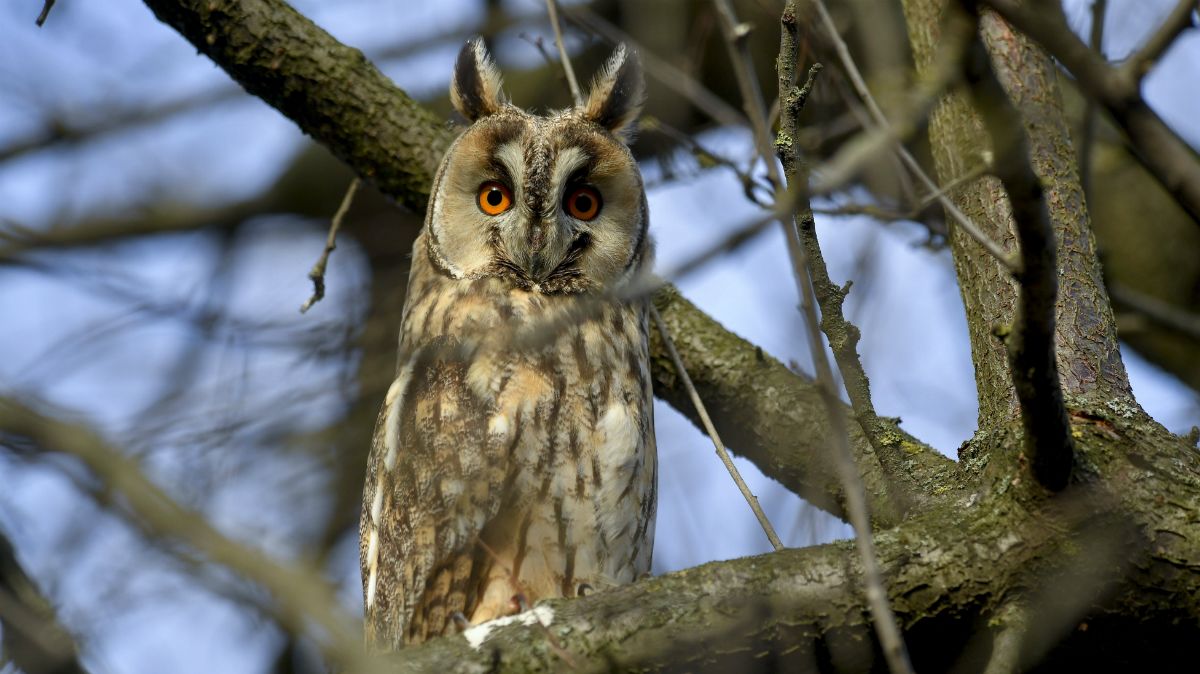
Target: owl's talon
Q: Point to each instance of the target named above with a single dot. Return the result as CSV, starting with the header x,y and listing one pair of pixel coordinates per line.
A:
x,y
460,620
583,590
518,603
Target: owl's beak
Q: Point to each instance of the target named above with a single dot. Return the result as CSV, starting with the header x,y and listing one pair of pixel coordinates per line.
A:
x,y
547,247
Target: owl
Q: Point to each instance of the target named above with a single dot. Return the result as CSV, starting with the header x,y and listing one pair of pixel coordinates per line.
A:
x,y
514,459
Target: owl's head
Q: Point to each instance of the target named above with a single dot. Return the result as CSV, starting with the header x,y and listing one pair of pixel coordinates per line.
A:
x,y
554,204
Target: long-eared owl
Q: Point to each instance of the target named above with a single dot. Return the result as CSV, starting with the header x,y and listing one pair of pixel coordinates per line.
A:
x,y
514,457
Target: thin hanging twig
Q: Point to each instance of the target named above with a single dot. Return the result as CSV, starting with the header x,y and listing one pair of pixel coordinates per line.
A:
x,y
318,271
751,499
552,8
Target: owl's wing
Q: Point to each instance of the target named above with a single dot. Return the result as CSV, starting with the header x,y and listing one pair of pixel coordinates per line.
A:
x,y
433,483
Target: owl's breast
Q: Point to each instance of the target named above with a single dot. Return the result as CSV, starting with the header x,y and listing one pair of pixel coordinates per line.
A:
x,y
563,393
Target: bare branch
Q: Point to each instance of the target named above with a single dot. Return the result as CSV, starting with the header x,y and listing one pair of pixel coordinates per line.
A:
x,y
317,275
791,102
32,636
844,336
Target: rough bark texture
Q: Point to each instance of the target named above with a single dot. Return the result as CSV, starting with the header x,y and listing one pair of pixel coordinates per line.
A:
x,y
1089,356
1106,575
960,145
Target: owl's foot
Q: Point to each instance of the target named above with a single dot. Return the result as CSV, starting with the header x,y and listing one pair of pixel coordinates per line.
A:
x,y
460,620
518,604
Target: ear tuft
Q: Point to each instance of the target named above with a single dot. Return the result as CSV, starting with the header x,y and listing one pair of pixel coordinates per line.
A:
x,y
475,89
617,93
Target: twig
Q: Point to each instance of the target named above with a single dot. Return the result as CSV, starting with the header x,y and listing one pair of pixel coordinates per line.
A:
x,y
751,499
552,9
842,334
540,45
302,601
46,7
749,183
1139,64
736,40
1167,156
791,101
1088,135
317,274
949,59
1031,348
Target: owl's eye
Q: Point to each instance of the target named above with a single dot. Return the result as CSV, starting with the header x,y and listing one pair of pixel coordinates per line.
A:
x,y
582,203
494,198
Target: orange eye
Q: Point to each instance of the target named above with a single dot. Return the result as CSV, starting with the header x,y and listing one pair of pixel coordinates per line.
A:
x,y
494,198
582,203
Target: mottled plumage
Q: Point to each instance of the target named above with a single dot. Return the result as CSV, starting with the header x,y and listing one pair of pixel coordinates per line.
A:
x,y
514,454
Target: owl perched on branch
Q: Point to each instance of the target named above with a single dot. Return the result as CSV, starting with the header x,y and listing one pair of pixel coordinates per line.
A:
x,y
514,457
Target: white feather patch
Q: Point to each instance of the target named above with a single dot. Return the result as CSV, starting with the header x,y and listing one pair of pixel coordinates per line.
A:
x,y
377,502
373,564
498,426
395,403
371,589
372,546
479,633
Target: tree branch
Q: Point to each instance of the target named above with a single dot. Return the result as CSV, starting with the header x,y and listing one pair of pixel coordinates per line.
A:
x,y
1139,64
791,102
1031,349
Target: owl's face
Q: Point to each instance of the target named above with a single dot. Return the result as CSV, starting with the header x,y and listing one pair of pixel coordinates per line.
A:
x,y
552,204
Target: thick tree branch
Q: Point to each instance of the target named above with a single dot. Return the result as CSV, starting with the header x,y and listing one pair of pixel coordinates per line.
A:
x,y
795,610
1030,342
